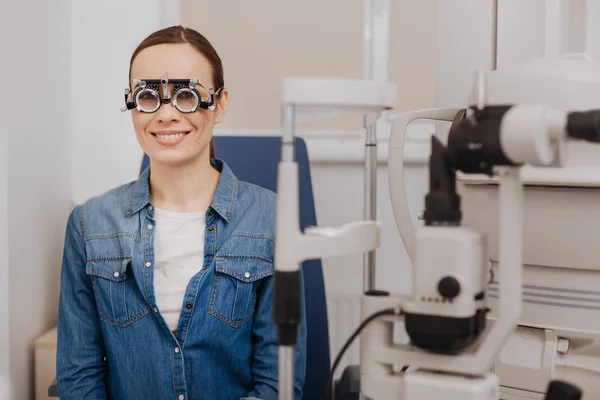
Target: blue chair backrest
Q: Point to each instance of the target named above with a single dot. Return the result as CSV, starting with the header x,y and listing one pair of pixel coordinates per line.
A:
x,y
254,159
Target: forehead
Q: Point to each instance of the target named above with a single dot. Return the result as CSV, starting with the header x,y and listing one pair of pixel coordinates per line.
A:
x,y
180,61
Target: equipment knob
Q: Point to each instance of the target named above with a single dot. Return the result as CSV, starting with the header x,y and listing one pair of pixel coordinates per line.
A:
x,y
559,390
449,287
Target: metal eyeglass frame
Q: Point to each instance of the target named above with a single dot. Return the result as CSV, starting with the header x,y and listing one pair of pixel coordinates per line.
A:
x,y
179,85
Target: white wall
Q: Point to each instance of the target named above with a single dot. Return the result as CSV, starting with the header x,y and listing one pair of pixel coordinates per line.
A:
x,y
592,39
521,31
66,140
310,38
4,273
467,31
538,28
36,175
104,34
465,44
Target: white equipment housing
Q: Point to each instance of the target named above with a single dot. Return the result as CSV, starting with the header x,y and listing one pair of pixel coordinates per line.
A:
x,y
559,331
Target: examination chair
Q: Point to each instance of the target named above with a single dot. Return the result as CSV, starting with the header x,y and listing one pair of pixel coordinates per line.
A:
x,y
254,159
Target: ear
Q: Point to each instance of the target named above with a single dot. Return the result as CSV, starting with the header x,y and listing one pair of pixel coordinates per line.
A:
x,y
221,109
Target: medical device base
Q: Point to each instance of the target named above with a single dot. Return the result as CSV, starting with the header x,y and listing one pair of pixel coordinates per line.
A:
x,y
438,385
555,390
423,384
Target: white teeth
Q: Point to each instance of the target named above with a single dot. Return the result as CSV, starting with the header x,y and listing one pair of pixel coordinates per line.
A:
x,y
171,137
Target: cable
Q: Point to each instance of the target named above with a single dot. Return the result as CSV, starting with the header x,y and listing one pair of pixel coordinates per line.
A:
x,y
329,389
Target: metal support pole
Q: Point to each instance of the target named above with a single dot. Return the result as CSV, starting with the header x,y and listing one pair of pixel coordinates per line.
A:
x,y
287,321
370,196
286,373
375,67
287,137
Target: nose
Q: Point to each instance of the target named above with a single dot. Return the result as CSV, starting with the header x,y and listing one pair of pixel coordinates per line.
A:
x,y
168,113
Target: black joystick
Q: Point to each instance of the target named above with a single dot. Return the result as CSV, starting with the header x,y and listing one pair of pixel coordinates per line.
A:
x,y
559,390
449,287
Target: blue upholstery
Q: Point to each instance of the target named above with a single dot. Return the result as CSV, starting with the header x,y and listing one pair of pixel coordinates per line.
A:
x,y
254,159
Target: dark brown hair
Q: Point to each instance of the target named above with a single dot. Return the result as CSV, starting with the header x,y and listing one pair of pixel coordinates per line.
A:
x,y
177,35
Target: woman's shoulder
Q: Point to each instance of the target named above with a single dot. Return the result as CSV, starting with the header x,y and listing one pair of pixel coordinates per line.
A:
x,y
256,206
110,210
250,192
113,199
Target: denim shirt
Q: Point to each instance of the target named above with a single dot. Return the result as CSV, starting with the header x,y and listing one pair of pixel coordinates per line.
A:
x,y
112,340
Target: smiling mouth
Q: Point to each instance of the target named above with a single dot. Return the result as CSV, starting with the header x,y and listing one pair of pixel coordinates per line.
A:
x,y
170,136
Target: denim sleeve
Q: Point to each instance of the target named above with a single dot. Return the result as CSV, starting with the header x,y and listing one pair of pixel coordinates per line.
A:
x,y
80,367
266,350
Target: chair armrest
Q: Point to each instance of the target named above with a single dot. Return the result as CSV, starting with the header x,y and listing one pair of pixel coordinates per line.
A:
x,y
348,387
53,389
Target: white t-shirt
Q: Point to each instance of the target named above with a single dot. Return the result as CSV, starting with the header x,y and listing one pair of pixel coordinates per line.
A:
x,y
179,255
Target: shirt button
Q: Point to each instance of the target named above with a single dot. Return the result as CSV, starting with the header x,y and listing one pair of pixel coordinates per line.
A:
x,y
188,305
247,274
116,274
176,349
212,228
180,397
155,309
150,208
209,213
150,227
148,264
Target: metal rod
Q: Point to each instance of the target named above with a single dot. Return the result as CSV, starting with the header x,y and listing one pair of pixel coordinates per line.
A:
x,y
286,373
370,203
286,353
376,32
480,80
369,271
287,133
165,85
494,35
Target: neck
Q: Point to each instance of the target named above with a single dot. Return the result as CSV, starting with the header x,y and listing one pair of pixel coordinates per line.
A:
x,y
184,189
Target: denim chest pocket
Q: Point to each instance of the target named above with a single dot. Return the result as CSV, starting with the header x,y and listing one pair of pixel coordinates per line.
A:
x,y
237,278
118,297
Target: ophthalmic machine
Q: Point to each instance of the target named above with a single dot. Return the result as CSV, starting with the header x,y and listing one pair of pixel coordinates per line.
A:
x,y
505,300
558,334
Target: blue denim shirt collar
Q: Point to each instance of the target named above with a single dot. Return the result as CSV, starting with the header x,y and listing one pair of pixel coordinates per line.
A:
x,y
223,199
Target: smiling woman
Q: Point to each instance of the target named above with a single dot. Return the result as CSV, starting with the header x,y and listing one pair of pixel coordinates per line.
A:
x,y
193,58
167,281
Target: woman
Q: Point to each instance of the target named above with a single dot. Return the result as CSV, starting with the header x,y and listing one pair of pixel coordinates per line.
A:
x,y
167,281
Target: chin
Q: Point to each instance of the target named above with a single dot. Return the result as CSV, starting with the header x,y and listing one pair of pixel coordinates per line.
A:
x,y
162,157
167,158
